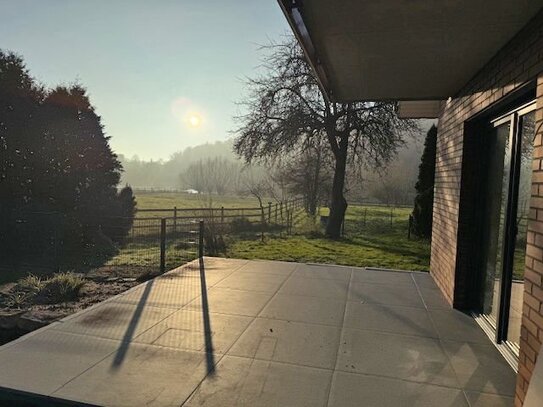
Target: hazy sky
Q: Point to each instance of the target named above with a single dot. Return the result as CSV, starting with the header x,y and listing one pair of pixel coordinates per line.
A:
x,y
163,74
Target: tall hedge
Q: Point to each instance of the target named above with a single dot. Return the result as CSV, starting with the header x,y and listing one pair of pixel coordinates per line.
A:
x,y
423,210
58,174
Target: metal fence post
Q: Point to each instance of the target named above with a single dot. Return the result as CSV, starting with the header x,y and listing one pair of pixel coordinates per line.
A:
x,y
409,226
162,245
391,214
222,214
281,209
276,213
174,219
201,240
269,212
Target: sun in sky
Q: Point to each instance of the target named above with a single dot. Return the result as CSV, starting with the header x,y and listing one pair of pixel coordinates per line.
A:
x,y
194,120
189,114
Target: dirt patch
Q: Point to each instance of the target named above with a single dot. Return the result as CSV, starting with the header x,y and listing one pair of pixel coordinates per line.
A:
x,y
26,315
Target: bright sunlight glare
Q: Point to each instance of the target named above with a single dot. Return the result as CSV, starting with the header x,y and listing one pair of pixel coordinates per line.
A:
x,y
195,120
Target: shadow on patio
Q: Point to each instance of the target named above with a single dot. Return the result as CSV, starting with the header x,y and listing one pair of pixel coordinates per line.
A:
x,y
227,332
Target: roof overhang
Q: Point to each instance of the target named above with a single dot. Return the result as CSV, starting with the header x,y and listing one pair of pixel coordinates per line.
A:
x,y
419,109
402,49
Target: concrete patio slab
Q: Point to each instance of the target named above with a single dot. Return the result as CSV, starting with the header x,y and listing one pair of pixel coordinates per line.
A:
x,y
479,368
456,326
390,294
50,359
144,376
313,310
354,390
164,293
323,271
292,342
404,357
269,267
247,382
316,287
114,320
230,301
488,400
261,333
243,280
389,318
382,277
186,329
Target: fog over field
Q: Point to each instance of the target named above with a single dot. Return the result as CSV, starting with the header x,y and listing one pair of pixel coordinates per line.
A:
x,y
171,173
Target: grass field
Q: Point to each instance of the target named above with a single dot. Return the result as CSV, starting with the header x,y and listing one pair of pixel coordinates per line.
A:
x,y
373,238
186,201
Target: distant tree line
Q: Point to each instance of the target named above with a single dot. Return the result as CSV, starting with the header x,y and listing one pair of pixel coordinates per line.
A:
x,y
214,169
167,173
58,175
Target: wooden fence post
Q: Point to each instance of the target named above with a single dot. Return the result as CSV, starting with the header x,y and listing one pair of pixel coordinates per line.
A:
x,y
289,221
162,245
262,223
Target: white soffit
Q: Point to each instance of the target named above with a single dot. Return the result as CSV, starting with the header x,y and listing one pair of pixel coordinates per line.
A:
x,y
403,49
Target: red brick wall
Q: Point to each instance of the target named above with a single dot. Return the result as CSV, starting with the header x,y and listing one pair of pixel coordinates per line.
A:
x,y
518,63
532,318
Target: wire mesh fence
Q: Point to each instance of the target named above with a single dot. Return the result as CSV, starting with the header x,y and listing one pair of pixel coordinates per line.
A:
x,y
144,245
154,245
48,242
373,219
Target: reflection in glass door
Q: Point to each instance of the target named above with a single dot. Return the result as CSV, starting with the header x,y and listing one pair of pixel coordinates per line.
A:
x,y
497,190
505,221
525,156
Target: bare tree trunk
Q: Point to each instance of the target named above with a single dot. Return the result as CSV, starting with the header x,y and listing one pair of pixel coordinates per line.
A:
x,y
314,197
338,204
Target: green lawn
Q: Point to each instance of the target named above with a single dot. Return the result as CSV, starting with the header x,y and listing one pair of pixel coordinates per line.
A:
x,y
385,251
373,238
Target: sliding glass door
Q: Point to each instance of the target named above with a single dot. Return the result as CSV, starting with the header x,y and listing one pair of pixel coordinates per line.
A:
x,y
497,190
507,203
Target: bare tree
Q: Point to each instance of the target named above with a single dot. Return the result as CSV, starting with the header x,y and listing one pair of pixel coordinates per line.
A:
x,y
286,108
309,173
213,175
195,177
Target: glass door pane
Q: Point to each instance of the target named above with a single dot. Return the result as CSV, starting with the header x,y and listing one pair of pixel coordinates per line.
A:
x,y
497,190
525,157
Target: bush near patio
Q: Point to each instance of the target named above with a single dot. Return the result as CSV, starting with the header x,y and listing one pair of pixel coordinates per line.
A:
x,y
58,176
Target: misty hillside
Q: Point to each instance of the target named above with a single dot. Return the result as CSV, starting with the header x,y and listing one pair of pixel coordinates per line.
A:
x,y
402,172
165,173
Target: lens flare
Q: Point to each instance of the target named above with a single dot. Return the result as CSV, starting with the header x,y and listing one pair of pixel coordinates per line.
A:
x,y
194,120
